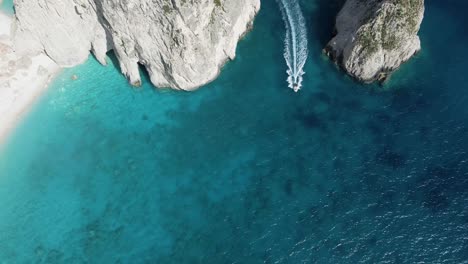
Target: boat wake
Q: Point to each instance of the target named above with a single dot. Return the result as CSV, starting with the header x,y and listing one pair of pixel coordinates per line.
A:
x,y
295,43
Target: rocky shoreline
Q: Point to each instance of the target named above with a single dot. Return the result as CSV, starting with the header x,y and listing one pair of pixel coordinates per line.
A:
x,y
373,38
184,48
181,44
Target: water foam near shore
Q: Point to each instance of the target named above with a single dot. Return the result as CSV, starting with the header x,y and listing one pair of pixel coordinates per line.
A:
x,y
244,170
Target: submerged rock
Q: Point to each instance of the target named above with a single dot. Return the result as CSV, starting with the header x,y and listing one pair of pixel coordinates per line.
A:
x,y
374,37
182,44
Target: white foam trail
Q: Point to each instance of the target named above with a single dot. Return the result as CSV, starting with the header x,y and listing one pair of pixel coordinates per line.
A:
x,y
295,42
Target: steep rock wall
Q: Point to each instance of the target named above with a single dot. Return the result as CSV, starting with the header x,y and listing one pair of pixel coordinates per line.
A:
x,y
181,43
374,37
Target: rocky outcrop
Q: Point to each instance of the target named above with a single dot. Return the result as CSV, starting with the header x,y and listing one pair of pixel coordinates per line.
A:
x,y
182,44
374,37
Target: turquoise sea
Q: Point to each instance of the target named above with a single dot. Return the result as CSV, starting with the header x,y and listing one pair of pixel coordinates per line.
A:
x,y
244,170
7,6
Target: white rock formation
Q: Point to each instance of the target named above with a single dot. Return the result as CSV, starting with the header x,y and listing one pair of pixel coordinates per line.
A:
x,y
183,44
374,37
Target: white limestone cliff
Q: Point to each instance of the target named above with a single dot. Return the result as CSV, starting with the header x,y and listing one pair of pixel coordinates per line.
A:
x,y
374,37
181,43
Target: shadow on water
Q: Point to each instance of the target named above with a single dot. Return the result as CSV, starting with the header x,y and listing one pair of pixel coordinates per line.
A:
x,y
389,157
250,171
322,20
113,61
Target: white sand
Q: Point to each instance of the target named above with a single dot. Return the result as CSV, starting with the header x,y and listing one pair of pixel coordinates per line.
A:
x,y
22,79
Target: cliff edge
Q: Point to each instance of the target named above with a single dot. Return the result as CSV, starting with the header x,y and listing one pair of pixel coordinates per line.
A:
x,y
182,44
374,37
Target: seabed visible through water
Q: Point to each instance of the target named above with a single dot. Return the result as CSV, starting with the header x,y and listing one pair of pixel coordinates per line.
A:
x,y
244,170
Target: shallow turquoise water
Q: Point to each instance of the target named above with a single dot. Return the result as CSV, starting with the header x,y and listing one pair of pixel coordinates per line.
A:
x,y
244,170
7,6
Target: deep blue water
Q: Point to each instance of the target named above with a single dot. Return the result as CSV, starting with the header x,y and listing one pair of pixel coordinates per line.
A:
x,y
244,170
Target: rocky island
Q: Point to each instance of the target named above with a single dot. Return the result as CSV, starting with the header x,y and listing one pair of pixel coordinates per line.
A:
x,y
182,44
374,37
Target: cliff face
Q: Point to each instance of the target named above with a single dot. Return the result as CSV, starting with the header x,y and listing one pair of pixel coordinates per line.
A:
x,y
182,43
374,37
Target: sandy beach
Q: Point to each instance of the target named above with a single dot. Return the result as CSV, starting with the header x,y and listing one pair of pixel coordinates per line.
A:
x,y
22,79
